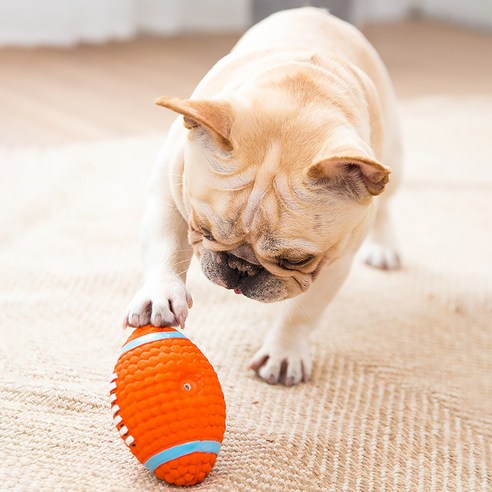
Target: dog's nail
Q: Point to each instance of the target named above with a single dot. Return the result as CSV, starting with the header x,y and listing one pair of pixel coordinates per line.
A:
x,y
255,364
289,381
157,320
272,379
189,301
181,321
135,320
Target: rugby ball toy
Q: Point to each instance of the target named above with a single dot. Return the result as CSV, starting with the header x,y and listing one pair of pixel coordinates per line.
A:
x,y
168,405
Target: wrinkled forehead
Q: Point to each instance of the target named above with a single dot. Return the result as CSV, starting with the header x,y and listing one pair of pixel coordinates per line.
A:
x,y
271,227
249,183
258,194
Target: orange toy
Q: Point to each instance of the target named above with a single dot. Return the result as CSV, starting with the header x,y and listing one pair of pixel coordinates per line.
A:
x,y
168,405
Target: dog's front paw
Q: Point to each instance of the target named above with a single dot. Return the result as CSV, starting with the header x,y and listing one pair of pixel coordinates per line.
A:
x,y
381,256
284,363
161,304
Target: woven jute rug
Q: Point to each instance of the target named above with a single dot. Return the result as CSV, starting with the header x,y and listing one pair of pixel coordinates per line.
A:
x,y
400,398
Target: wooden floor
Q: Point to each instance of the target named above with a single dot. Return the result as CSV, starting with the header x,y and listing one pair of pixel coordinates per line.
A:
x,y
52,96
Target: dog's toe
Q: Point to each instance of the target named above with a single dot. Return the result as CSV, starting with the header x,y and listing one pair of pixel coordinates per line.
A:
x,y
282,364
381,256
163,304
139,311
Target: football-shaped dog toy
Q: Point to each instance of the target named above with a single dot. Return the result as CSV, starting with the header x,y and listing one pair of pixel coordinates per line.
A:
x,y
168,405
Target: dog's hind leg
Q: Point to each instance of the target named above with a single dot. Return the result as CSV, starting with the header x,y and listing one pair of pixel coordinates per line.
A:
x,y
380,249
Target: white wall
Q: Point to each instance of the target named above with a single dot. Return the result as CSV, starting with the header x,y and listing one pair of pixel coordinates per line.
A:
x,y
159,16
33,22
474,13
173,16
65,22
381,10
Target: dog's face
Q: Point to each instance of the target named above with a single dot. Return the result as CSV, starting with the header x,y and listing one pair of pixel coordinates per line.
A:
x,y
276,189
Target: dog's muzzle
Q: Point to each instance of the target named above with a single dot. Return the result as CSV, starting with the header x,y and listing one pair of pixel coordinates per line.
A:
x,y
232,272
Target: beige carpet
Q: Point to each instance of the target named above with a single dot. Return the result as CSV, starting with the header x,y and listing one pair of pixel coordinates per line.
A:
x,y
401,396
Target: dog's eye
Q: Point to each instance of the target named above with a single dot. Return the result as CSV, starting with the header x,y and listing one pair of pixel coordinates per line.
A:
x,y
207,234
289,264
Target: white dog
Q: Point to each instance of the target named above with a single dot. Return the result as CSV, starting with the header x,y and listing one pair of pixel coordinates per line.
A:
x,y
275,179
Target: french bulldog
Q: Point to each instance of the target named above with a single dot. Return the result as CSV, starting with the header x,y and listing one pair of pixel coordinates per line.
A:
x,y
276,171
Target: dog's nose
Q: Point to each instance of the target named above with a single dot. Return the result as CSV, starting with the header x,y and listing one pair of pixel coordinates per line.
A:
x,y
245,252
245,268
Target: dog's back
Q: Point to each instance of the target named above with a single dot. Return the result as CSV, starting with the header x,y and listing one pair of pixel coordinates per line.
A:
x,y
301,34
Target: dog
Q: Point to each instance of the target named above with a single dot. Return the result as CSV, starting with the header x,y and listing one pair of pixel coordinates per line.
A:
x,y
275,172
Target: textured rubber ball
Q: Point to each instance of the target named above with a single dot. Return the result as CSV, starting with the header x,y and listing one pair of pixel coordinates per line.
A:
x,y
168,405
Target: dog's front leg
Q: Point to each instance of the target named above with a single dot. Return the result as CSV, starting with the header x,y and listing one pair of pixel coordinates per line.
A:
x,y
163,299
285,356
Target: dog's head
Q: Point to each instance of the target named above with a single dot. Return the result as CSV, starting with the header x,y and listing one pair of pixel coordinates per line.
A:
x,y
279,181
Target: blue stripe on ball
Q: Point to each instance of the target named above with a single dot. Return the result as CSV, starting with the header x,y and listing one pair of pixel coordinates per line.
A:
x,y
151,337
181,450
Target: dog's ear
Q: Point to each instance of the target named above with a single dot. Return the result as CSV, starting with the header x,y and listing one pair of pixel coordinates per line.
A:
x,y
354,175
213,116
